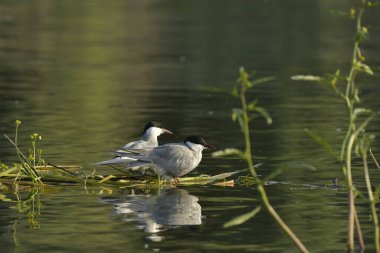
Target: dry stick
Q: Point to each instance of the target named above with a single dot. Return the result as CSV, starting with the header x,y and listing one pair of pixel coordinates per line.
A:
x,y
60,168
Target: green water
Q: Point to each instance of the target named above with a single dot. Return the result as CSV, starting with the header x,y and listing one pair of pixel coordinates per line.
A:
x,y
88,75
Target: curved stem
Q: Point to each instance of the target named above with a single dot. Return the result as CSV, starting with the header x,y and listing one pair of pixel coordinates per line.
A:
x,y
351,195
374,159
359,232
260,187
372,201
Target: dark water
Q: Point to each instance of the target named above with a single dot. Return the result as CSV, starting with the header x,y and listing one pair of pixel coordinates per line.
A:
x,y
87,75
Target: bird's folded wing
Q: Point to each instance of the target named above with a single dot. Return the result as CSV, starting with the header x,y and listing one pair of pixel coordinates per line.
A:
x,y
116,160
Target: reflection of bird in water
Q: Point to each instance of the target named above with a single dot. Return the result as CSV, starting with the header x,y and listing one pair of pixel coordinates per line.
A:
x,y
176,207
154,213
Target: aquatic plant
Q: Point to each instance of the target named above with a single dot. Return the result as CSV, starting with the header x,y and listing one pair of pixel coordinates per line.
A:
x,y
26,166
244,116
355,139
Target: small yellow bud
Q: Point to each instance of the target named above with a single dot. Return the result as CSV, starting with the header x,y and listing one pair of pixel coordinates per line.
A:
x,y
352,12
18,122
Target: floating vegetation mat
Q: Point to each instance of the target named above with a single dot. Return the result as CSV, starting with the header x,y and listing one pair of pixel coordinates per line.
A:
x,y
72,174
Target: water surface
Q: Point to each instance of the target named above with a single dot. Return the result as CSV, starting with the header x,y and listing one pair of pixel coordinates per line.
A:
x,y
88,76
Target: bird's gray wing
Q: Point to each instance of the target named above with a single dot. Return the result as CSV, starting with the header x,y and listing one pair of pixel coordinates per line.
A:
x,y
173,160
139,144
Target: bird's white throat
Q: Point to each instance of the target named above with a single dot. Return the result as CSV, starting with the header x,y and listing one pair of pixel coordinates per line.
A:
x,y
153,131
151,135
194,146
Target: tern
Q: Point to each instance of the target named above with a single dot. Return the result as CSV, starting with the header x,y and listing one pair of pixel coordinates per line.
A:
x,y
148,140
171,160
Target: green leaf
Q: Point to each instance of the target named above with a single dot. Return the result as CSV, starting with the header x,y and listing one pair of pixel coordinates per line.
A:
x,y
4,198
243,75
338,13
228,152
6,172
215,90
252,105
373,4
321,141
359,111
263,80
363,67
352,12
377,193
237,115
242,218
263,113
335,78
356,95
235,92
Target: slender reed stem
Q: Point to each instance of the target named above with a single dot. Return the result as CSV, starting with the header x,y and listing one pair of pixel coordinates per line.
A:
x,y
374,159
351,134
34,152
351,195
260,187
359,232
372,201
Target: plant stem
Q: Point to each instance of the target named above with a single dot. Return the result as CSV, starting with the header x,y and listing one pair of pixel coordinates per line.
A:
x,y
351,196
352,133
247,137
351,126
374,159
372,201
359,232
34,153
260,187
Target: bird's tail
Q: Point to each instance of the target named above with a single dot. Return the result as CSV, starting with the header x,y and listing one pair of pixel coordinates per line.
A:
x,y
123,157
116,160
130,155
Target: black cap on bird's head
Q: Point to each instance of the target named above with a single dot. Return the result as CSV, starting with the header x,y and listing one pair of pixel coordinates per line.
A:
x,y
197,139
156,124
